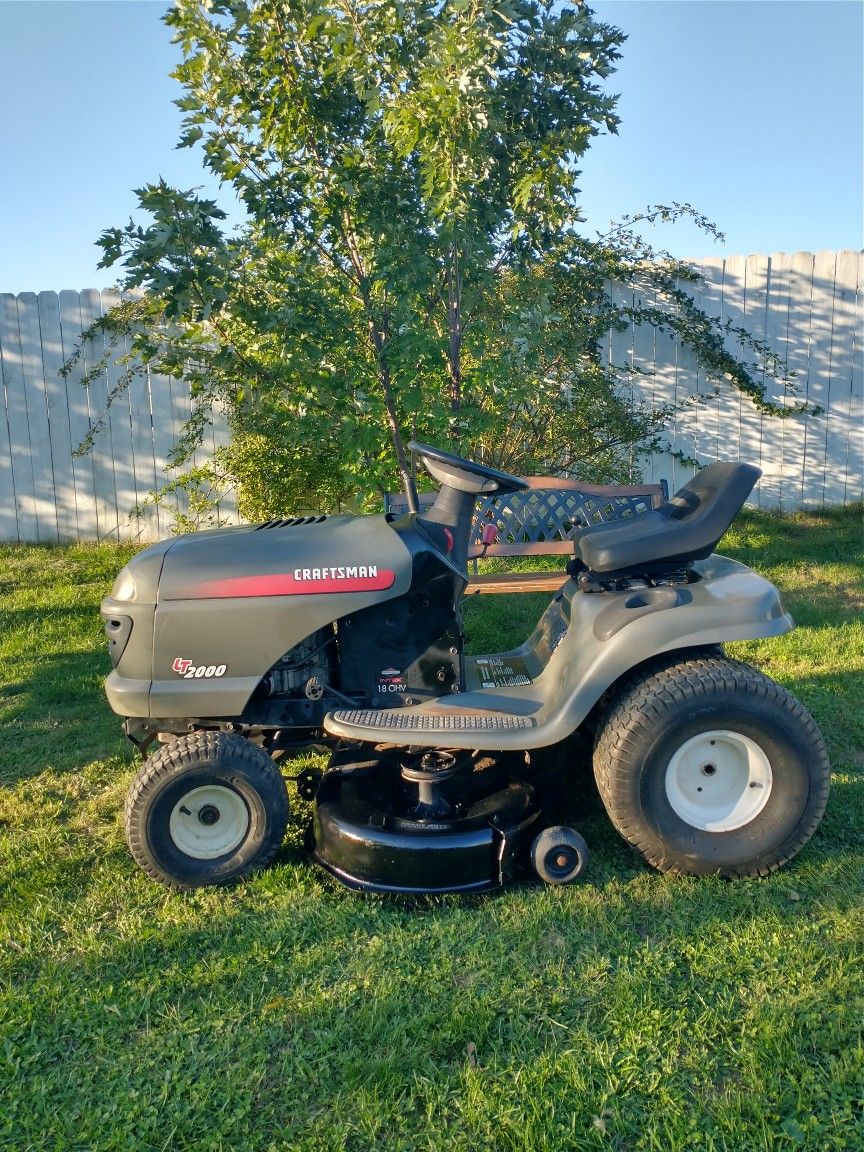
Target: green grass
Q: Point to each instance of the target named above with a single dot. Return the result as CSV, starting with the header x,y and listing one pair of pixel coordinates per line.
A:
x,y
635,1011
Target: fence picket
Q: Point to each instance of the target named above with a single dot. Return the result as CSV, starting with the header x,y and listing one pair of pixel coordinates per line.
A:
x,y
178,409
105,491
665,465
819,381
221,437
148,522
20,453
854,469
755,314
8,501
712,440
797,362
51,350
734,272
690,423
123,440
36,403
71,328
771,429
642,351
159,389
845,328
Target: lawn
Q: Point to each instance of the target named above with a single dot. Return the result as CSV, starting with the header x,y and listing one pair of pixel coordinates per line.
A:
x,y
633,1011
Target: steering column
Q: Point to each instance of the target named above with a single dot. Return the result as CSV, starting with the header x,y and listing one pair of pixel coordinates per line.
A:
x,y
462,481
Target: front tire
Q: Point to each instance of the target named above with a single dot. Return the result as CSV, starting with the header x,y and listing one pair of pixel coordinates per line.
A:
x,y
707,766
206,809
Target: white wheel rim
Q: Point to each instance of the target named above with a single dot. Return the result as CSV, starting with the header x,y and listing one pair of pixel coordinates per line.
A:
x,y
209,822
718,781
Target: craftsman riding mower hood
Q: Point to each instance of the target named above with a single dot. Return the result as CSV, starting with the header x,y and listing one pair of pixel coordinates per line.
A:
x,y
234,648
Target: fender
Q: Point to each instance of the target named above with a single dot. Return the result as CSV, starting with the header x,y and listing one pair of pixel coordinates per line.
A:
x,y
607,634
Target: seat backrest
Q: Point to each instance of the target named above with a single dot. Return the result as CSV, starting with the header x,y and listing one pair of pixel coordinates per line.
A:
x,y
684,528
714,496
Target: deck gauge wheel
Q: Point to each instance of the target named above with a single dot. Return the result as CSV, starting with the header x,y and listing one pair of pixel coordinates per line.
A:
x,y
559,855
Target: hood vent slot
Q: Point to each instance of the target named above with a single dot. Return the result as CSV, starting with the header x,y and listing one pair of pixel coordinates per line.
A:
x,y
292,522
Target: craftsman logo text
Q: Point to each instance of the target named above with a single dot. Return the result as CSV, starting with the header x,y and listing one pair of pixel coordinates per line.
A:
x,y
361,572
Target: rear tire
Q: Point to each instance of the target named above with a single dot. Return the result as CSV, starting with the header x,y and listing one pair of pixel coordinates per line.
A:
x,y
707,766
206,809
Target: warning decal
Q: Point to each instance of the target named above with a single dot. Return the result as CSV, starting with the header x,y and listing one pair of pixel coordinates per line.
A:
x,y
495,672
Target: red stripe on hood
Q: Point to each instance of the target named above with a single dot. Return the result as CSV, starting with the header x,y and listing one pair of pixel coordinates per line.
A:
x,y
284,584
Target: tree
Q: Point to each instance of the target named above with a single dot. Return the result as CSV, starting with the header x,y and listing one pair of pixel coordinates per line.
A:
x,y
410,263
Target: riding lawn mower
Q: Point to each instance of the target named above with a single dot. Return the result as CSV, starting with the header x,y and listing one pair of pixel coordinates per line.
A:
x,y
234,648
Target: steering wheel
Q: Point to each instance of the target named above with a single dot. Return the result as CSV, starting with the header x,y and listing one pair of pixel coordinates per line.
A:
x,y
465,475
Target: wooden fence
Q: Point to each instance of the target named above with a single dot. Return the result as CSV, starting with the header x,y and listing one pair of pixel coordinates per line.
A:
x,y
808,308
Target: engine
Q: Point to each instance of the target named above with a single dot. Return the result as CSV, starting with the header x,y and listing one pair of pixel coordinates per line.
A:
x,y
305,671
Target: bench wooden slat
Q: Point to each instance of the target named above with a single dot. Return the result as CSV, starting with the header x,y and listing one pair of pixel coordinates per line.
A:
x,y
502,582
533,548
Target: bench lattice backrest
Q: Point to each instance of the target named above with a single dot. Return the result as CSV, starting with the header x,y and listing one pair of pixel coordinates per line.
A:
x,y
542,519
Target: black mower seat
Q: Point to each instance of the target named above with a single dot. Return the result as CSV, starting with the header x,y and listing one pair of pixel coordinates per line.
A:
x,y
686,527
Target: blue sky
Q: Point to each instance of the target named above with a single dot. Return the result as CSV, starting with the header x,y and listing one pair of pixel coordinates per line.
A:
x,y
751,110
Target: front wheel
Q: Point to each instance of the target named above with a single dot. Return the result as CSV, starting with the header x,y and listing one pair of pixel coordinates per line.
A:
x,y
206,809
707,766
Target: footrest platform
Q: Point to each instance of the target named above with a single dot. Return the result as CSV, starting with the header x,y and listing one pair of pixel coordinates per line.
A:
x,y
365,724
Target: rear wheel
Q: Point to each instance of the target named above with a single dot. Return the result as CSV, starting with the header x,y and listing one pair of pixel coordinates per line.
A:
x,y
707,766
206,809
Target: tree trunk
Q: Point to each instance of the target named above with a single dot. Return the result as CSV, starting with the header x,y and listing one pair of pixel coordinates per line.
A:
x,y
402,457
454,325
386,382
